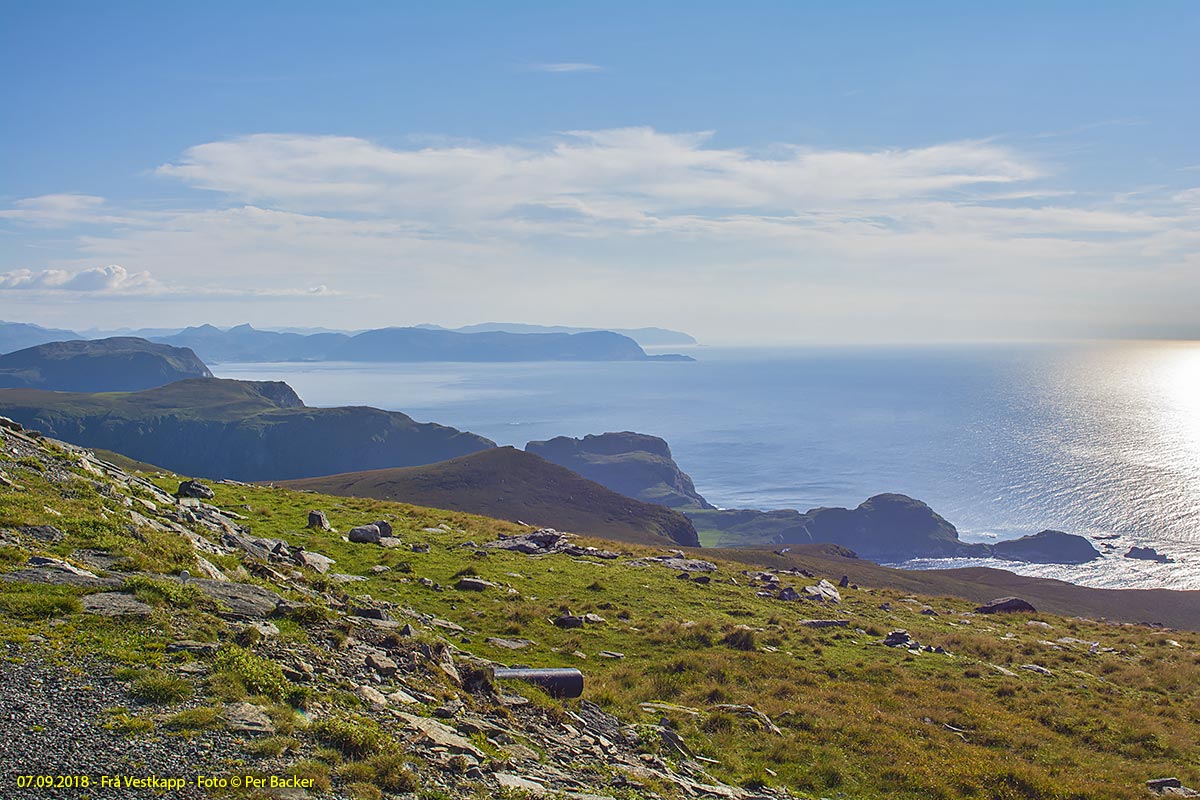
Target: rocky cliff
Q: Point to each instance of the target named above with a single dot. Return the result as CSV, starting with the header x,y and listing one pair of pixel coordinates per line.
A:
x,y
243,430
634,464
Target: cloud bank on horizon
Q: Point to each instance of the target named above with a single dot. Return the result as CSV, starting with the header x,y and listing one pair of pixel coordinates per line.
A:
x,y
956,239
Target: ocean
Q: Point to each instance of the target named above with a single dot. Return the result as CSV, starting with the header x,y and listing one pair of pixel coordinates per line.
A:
x,y
1097,439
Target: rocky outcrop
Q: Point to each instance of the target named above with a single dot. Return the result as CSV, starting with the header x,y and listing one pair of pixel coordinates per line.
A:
x,y
1148,554
119,364
1047,547
635,464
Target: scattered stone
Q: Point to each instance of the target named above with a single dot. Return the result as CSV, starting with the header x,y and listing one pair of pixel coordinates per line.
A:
x,y
1006,672
594,619
473,584
440,734
569,621
379,569
824,623
314,561
385,527
248,718
365,534
844,582
1040,670
369,612
516,783
375,698
382,664
194,489
927,611
790,594
318,520
703,580
420,548
898,638
824,592
115,604
508,644
1006,605
610,654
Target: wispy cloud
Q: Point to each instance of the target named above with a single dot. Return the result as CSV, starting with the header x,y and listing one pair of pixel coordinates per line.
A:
x,y
566,66
115,280
886,241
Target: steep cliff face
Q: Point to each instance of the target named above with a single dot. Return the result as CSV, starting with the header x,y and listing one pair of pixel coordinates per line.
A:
x,y
119,364
634,464
509,484
243,430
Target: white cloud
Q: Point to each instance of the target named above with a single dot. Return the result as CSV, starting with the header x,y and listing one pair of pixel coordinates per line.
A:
x,y
566,66
113,279
653,228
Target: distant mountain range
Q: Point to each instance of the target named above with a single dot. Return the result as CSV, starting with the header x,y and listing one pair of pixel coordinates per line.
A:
x,y
246,430
248,344
646,337
118,364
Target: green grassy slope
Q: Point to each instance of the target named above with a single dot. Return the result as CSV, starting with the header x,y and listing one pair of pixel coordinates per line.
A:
x,y
854,719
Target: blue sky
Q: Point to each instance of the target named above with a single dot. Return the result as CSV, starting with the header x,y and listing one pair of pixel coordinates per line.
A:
x,y
748,172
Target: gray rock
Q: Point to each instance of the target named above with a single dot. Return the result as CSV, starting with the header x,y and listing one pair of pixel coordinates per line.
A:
x,y
898,638
385,527
239,600
1006,605
473,584
508,644
365,534
569,621
194,489
247,718
318,520
314,561
189,646
382,664
1040,670
789,594
115,604
824,592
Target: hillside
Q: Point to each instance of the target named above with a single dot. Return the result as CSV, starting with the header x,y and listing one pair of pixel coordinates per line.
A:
x,y
247,344
117,364
505,483
634,464
363,671
244,430
646,337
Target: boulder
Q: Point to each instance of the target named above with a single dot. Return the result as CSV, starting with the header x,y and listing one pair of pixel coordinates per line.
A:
x,y
473,584
1006,605
314,561
899,638
385,527
569,621
365,534
194,489
824,592
318,520
382,664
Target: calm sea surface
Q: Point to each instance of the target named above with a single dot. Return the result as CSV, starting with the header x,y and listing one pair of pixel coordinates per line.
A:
x,y
1002,441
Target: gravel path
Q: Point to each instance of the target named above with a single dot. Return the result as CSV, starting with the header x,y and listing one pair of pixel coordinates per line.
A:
x,y
51,724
